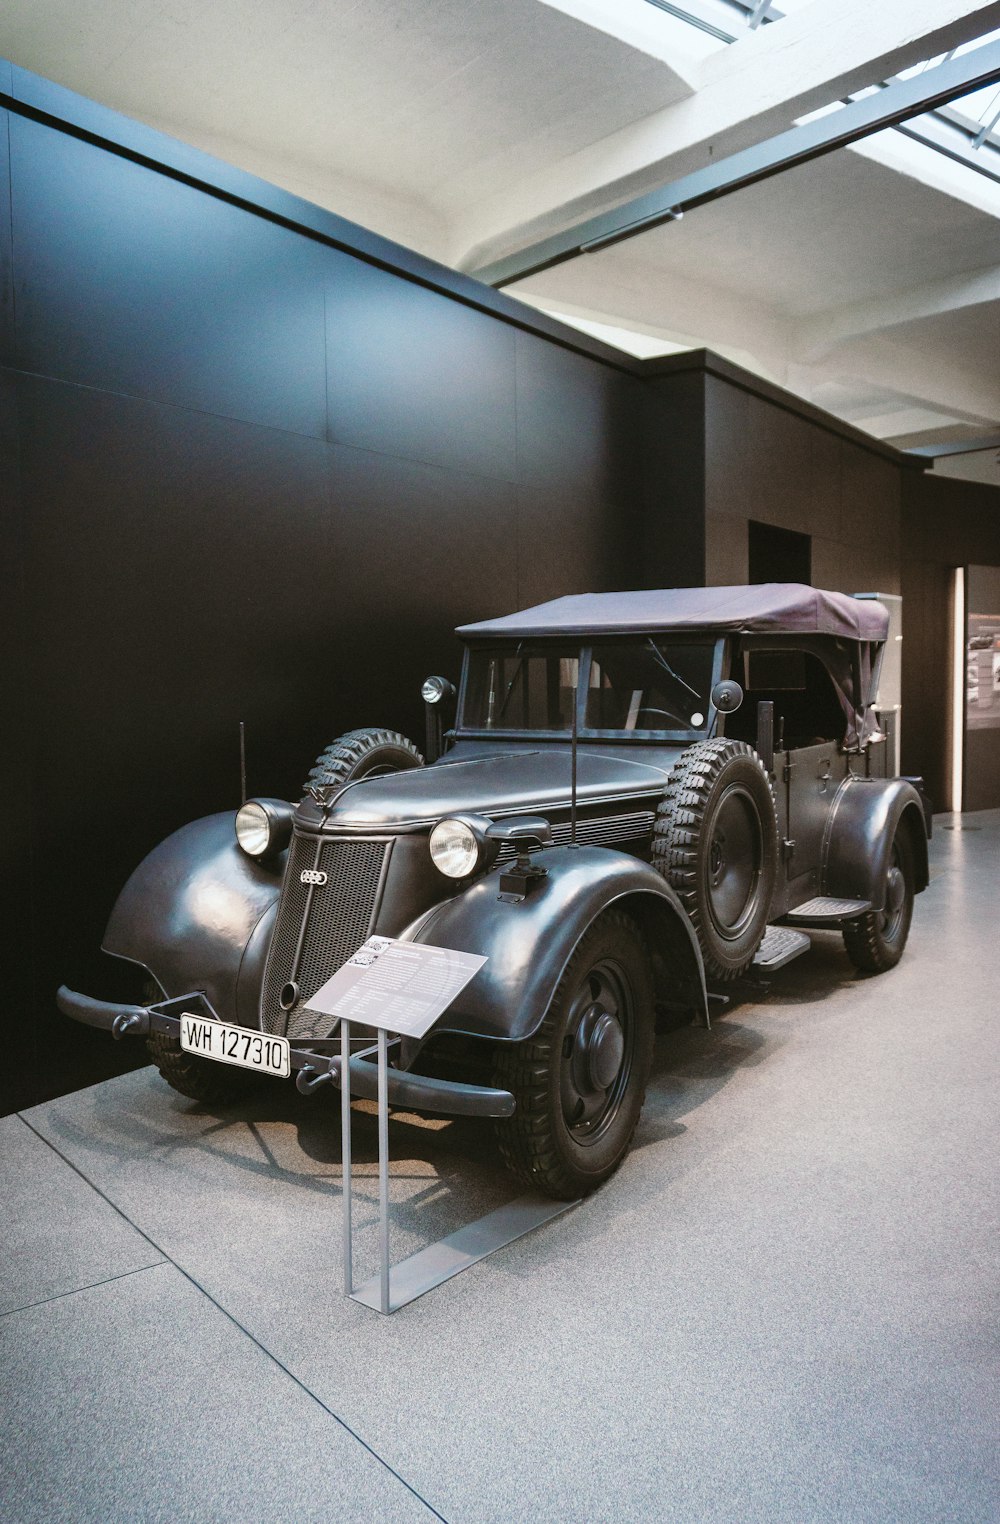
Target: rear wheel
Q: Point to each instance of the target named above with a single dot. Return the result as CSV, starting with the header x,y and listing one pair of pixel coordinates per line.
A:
x,y
875,941
579,1083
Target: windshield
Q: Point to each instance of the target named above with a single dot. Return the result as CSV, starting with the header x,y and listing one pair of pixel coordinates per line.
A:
x,y
651,684
639,684
526,686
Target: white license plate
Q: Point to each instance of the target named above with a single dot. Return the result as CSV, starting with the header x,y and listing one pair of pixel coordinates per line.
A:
x,y
235,1045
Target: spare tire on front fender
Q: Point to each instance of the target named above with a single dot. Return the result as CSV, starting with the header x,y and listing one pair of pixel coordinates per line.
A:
x,y
363,754
715,842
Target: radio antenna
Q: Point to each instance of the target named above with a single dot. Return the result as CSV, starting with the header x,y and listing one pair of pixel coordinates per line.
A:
x,y
572,761
243,764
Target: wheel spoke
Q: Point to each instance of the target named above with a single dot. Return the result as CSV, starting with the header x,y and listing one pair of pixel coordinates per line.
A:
x,y
596,1048
607,996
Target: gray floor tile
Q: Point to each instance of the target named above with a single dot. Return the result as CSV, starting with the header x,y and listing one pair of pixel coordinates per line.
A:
x,y
56,1234
139,1400
780,1308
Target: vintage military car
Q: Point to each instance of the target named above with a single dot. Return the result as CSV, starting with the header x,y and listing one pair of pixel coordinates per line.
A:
x,y
644,796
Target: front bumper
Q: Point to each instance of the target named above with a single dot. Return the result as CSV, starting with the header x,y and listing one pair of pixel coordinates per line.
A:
x,y
313,1067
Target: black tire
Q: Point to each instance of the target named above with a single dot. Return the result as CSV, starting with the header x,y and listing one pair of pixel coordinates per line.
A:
x,y
363,754
715,842
875,941
580,1082
199,1078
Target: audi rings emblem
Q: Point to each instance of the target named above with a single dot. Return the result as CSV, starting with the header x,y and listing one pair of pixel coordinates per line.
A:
x,y
312,876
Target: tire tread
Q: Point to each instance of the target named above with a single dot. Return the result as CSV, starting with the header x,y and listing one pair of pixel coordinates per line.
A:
x,y
526,1141
677,833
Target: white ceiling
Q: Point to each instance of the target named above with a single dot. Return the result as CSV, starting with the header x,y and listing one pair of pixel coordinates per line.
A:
x,y
868,282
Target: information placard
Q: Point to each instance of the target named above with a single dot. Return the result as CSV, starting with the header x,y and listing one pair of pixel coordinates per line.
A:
x,y
401,987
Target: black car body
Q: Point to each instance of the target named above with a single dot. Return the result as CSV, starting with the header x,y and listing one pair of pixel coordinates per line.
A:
x,y
637,787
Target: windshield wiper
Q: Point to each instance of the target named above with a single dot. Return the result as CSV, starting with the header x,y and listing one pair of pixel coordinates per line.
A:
x,y
669,669
510,685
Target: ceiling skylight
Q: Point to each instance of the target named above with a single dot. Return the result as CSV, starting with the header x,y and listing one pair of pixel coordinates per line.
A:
x,y
951,146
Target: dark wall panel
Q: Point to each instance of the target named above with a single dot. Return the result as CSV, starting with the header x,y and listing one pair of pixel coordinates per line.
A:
x,y
17,858
670,543
580,470
6,248
766,463
926,737
245,476
419,551
589,449
870,523
415,374
132,282
160,600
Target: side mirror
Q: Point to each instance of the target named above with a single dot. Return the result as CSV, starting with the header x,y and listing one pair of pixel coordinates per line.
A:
x,y
727,696
522,832
434,691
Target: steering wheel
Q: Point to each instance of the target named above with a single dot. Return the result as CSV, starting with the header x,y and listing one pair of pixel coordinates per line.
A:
x,y
675,719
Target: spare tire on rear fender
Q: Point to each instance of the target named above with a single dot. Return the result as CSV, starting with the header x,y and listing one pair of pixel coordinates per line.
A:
x,y
715,842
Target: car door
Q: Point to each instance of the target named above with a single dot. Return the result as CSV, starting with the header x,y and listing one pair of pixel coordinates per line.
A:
x,y
812,775
810,762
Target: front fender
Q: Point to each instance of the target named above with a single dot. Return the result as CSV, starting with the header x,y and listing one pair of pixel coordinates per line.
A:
x,y
528,944
189,912
865,818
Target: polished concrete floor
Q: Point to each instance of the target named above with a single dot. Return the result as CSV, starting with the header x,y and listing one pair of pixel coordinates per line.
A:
x,y
781,1308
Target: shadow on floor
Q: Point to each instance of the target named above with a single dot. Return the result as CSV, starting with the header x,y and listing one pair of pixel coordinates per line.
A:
x,y
456,1158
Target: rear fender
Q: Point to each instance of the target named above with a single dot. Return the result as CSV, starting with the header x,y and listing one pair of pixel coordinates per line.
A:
x,y
866,816
528,944
196,913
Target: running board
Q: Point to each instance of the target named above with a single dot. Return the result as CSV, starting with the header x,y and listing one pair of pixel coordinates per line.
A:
x,y
826,911
780,946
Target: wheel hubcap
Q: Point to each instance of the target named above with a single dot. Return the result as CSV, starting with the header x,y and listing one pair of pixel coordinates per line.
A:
x,y
597,1052
734,862
895,897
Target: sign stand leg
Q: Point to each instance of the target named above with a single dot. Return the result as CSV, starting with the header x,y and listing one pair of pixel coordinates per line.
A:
x,y
396,1285
345,1152
383,1166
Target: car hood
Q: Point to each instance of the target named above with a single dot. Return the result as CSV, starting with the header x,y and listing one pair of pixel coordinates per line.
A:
x,y
508,783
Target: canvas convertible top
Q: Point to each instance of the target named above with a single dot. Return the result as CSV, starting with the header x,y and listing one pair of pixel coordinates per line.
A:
x,y
772,608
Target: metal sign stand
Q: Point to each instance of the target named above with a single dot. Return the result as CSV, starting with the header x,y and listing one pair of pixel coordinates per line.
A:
x,y
396,1285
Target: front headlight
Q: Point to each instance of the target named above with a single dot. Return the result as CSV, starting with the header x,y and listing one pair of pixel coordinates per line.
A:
x,y
434,689
264,827
457,848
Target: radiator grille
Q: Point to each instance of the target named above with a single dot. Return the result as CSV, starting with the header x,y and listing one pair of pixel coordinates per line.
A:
x,y
340,919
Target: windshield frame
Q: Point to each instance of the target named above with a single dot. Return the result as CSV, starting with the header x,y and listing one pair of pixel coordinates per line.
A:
x,y
585,653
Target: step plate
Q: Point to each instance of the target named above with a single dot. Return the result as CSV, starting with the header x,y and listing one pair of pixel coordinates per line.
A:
x,y
825,910
780,946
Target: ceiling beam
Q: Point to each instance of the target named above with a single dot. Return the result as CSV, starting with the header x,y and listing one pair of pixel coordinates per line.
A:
x,y
955,447
900,100
817,336
759,86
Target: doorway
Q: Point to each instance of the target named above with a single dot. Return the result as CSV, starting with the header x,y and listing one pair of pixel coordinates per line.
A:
x,y
779,555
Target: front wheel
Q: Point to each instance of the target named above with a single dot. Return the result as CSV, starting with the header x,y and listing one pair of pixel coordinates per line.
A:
x,y
875,941
580,1082
199,1079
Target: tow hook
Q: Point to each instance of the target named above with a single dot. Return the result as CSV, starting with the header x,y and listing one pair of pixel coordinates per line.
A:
x,y
309,1078
126,1022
